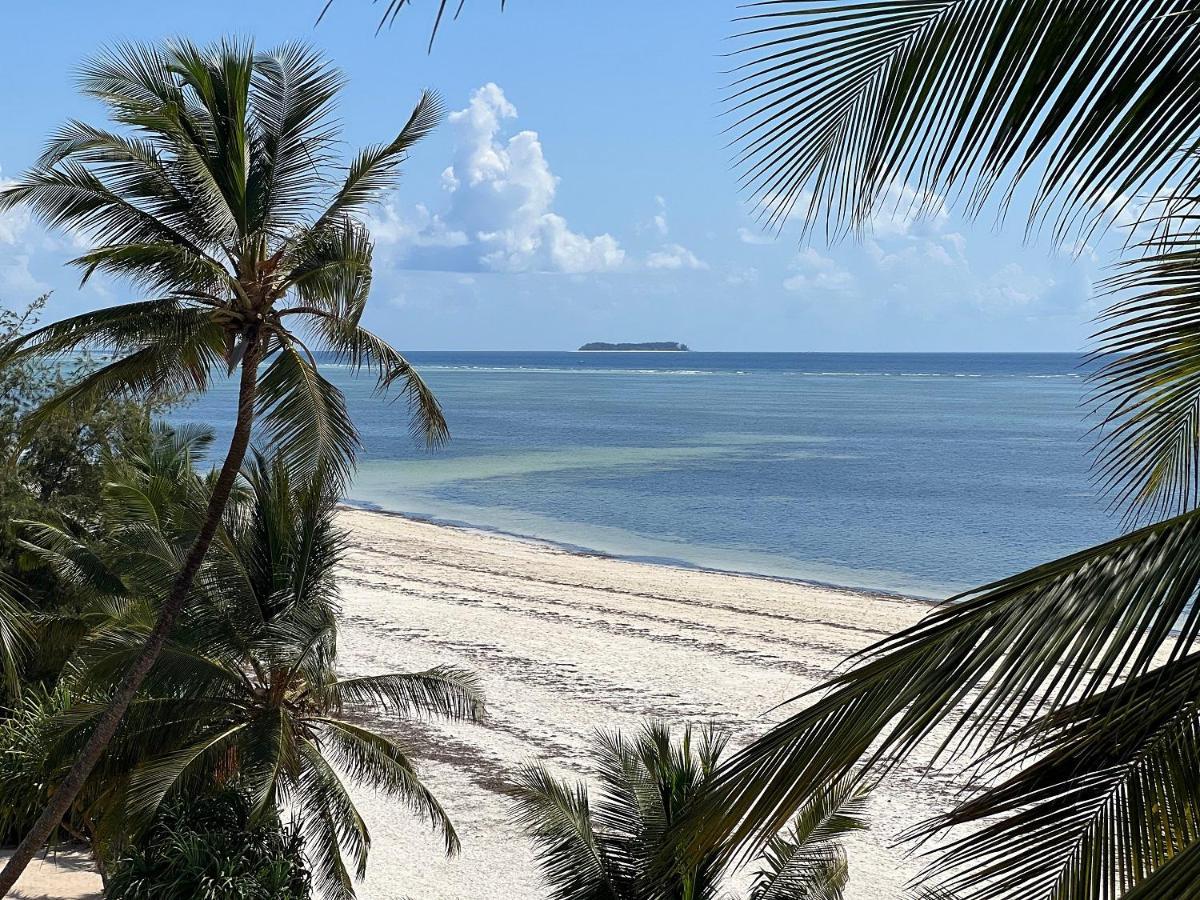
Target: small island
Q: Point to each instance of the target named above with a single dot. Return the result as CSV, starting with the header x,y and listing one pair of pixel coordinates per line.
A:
x,y
647,345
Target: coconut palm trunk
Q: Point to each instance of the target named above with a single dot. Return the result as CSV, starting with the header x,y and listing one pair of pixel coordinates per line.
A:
x,y
221,199
168,614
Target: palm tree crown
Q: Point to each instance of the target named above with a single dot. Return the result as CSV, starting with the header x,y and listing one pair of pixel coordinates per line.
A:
x,y
631,843
220,199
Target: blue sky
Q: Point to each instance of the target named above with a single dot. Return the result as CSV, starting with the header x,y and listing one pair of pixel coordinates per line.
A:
x,y
580,190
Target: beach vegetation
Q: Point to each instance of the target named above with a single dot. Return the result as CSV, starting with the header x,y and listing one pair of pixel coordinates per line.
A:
x,y
212,848
56,469
626,842
218,194
245,692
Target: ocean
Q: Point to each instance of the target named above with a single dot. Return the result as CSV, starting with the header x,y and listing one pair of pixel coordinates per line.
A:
x,y
919,474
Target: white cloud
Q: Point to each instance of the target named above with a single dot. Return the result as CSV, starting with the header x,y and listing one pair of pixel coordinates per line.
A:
x,y
1013,288
815,272
670,255
500,215
418,229
739,277
902,208
674,256
659,222
14,223
17,283
746,236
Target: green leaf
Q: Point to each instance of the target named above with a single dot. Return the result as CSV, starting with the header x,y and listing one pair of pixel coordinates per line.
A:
x,y
306,417
1026,645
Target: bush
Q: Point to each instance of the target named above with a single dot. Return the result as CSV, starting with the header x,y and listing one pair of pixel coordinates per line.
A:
x,y
208,849
26,771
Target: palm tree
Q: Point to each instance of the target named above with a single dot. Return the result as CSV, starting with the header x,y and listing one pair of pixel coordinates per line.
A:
x,y
246,689
220,198
1075,684
627,846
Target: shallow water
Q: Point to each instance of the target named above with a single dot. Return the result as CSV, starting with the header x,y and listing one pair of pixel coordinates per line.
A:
x,y
914,473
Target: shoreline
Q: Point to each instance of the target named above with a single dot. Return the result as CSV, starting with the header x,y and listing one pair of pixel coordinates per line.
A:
x,y
371,508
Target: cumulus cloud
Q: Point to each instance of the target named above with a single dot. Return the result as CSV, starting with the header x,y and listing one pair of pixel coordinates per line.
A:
x,y
902,208
14,223
17,281
1014,288
670,255
659,222
815,272
746,236
674,256
500,216
739,277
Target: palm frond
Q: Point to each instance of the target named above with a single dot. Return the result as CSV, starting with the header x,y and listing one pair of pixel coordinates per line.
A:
x,y
74,562
15,635
1177,879
306,417
159,268
154,779
1148,389
393,8
1022,646
441,692
72,196
845,100
293,94
360,349
158,370
219,77
330,823
121,328
557,816
376,168
374,760
806,861
1110,797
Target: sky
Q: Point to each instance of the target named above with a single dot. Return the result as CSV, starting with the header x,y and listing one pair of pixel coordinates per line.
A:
x,y
580,189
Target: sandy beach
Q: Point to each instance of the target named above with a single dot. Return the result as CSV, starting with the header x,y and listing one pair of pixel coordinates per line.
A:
x,y
566,643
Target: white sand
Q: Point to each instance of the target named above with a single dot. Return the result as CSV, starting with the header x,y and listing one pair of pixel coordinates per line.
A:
x,y
65,875
566,643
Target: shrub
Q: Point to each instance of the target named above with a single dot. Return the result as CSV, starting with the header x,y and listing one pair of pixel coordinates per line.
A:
x,y
209,848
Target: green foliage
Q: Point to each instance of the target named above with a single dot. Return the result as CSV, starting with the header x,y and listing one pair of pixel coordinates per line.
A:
x,y
211,848
58,467
27,756
216,193
248,684
55,470
631,843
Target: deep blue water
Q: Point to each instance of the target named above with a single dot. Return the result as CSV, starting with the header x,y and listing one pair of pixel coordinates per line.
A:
x,y
916,473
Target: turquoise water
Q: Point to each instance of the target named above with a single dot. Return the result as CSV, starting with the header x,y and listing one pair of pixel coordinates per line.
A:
x,y
914,473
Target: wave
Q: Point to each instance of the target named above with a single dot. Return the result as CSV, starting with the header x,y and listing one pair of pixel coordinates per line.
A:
x,y
550,370
699,373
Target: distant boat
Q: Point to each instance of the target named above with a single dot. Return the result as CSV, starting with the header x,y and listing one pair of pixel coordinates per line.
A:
x,y
646,345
